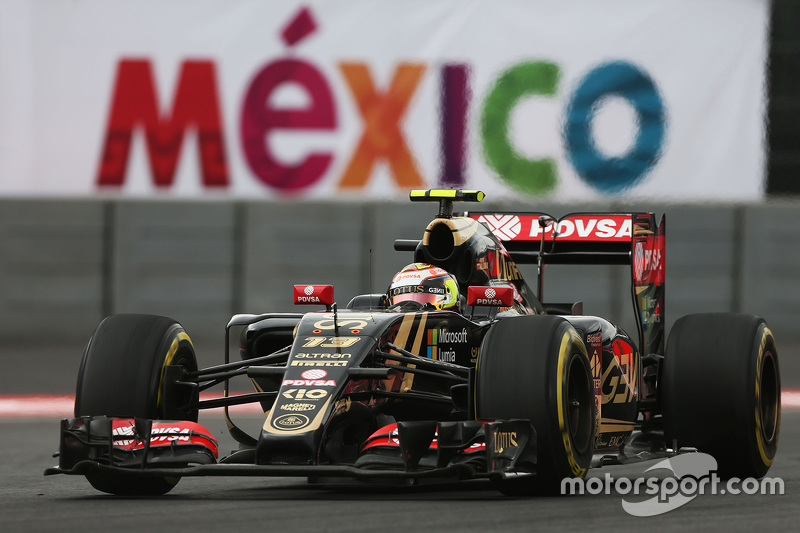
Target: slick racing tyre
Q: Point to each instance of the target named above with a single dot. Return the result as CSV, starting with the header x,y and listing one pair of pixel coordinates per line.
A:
x,y
122,376
721,391
537,368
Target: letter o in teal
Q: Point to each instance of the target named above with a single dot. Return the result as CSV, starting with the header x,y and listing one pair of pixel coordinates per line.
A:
x,y
612,175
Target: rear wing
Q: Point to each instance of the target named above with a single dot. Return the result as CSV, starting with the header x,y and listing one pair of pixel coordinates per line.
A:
x,y
594,239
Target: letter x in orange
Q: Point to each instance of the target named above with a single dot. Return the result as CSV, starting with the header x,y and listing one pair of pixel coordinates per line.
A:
x,y
382,136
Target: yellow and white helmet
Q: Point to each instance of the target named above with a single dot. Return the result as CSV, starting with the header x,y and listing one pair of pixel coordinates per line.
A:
x,y
425,284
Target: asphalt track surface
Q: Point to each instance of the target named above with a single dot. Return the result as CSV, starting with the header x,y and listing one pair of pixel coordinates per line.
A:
x,y
30,501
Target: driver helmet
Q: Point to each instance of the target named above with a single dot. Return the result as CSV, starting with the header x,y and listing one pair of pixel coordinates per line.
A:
x,y
425,284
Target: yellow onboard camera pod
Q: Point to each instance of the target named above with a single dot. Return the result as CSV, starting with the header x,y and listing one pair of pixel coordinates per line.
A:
x,y
457,195
446,197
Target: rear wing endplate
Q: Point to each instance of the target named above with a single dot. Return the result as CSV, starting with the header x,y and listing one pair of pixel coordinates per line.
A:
x,y
594,239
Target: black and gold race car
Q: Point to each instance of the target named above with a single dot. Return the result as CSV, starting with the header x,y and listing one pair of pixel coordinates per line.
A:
x,y
496,384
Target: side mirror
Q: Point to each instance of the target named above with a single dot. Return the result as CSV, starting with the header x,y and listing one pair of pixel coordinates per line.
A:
x,y
313,295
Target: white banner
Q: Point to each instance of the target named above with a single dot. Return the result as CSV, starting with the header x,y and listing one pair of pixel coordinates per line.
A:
x,y
565,100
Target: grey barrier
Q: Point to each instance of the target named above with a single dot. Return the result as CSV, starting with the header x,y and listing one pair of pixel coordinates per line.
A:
x,y
65,264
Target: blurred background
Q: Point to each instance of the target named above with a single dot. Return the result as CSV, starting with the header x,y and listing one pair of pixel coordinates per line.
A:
x,y
197,159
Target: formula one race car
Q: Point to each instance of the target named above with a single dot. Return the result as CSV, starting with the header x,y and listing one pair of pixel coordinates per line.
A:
x,y
458,372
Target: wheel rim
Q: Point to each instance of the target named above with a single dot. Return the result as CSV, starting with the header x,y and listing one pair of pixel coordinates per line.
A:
x,y
579,404
183,395
768,398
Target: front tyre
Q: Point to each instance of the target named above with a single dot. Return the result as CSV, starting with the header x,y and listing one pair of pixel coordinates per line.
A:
x,y
721,391
537,368
122,376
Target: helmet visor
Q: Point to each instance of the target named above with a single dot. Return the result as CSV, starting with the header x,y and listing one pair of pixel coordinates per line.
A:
x,y
420,297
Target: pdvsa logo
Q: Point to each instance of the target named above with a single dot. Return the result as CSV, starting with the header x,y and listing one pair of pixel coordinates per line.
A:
x,y
504,227
489,298
647,261
313,294
309,296
638,259
308,383
316,373
381,109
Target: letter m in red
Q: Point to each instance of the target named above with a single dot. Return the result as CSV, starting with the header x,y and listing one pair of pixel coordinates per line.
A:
x,y
135,105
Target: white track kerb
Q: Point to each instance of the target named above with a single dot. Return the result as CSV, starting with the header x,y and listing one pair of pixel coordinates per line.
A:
x,y
692,474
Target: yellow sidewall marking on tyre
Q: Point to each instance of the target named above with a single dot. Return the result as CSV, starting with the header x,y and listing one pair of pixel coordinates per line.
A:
x,y
564,353
173,349
759,367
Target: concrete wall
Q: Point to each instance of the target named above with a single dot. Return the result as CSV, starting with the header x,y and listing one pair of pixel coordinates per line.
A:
x,y
66,264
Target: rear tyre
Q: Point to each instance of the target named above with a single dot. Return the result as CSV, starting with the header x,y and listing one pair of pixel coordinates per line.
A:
x,y
122,376
721,391
537,368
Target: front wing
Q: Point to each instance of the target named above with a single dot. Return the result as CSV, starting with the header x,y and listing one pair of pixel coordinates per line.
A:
x,y
427,449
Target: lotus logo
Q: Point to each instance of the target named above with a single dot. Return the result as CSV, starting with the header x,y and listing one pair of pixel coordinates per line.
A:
x,y
309,290
316,373
291,421
490,293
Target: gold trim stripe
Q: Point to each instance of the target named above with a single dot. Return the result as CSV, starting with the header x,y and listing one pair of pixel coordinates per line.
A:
x,y
420,333
405,328
610,425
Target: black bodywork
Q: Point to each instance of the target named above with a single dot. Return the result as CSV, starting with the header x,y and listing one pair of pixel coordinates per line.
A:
x,y
373,366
